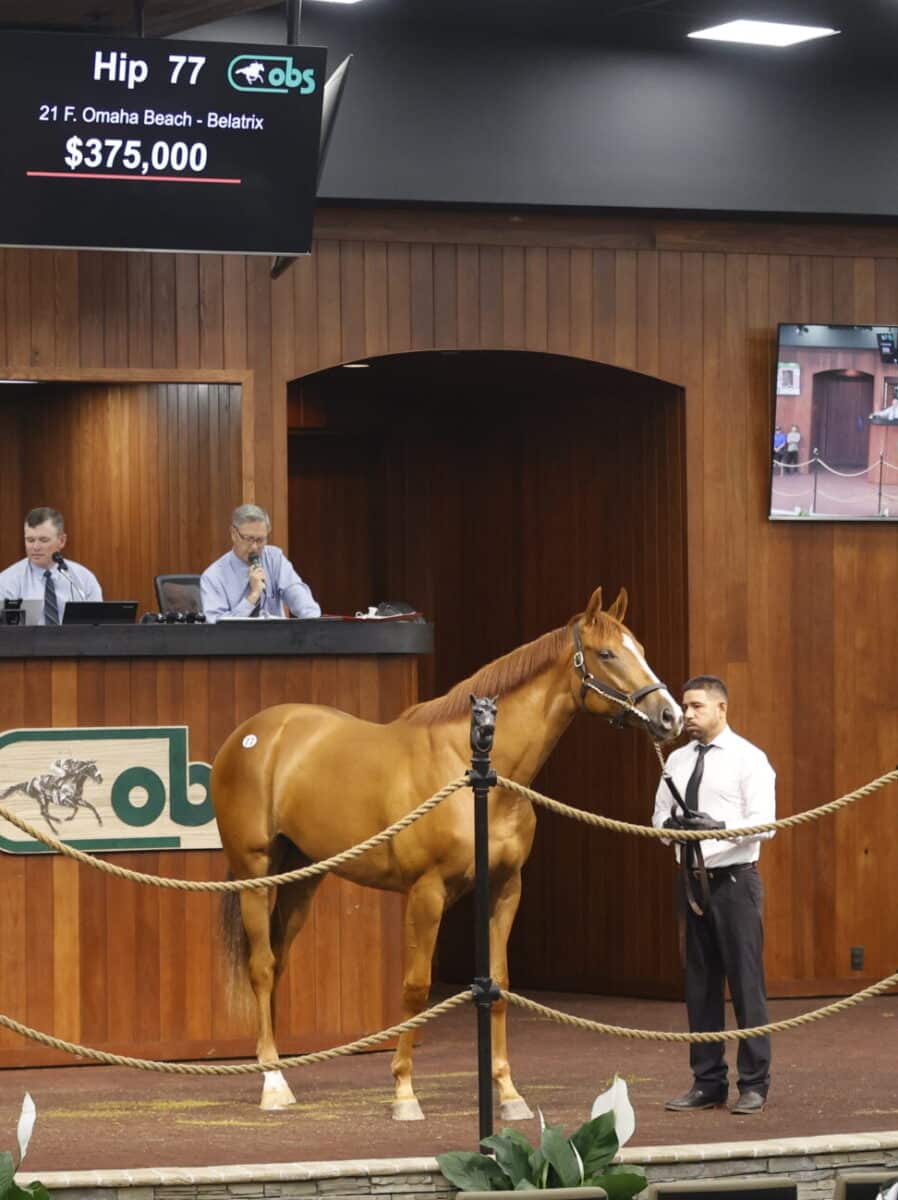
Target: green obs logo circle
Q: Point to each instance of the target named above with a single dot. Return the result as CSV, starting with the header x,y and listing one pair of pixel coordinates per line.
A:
x,y
139,797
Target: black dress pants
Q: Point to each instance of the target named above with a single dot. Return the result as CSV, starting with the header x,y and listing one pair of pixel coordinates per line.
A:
x,y
726,945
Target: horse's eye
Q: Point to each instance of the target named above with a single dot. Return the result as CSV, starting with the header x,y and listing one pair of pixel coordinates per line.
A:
x,y
606,654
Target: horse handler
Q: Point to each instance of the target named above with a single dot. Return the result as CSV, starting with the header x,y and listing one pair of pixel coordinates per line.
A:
x,y
725,782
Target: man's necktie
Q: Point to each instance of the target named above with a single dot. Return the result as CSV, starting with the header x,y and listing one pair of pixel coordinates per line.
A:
x,y
691,798
51,608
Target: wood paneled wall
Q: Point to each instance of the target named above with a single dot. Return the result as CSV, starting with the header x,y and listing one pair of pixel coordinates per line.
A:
x,y
440,482
795,617
146,475
135,969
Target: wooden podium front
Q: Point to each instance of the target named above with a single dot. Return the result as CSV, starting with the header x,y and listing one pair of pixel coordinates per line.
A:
x,y
135,969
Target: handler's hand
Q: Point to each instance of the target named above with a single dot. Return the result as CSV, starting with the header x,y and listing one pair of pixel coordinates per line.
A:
x,y
701,820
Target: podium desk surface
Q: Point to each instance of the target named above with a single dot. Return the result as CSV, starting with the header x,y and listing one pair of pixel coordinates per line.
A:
x,y
238,639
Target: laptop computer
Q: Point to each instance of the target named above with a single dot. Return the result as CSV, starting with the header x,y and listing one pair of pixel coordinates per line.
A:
x,y
100,612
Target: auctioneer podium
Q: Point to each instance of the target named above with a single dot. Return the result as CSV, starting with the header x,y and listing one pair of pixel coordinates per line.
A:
x,y
130,968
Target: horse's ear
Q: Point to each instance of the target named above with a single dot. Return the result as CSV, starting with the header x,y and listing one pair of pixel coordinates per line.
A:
x,y
618,609
595,606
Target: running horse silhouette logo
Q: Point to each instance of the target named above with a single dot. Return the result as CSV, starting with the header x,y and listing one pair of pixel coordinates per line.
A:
x,y
63,785
254,72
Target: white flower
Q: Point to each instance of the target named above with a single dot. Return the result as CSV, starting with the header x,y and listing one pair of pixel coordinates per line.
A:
x,y
617,1100
26,1123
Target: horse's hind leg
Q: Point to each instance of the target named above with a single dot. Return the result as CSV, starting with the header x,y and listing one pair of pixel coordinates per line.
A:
x,y
254,909
505,899
424,911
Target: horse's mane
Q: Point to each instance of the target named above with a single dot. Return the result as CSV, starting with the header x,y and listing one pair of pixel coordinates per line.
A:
x,y
496,678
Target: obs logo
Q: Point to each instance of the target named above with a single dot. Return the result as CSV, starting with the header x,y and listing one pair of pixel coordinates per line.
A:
x,y
106,789
269,73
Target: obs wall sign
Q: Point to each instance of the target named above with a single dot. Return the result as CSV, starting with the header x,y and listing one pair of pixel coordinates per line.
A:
x,y
106,789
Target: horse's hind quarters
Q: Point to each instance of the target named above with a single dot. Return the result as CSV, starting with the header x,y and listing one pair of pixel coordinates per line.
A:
x,y
407,1110
276,1092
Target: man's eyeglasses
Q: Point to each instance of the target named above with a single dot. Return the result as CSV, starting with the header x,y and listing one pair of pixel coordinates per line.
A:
x,y
250,541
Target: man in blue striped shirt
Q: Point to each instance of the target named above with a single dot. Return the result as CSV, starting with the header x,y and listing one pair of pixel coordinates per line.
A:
x,y
254,579
39,576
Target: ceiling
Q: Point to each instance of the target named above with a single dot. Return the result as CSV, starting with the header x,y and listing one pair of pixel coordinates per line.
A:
x,y
869,27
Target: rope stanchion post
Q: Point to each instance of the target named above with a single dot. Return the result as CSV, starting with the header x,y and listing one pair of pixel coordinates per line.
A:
x,y
879,495
815,467
481,778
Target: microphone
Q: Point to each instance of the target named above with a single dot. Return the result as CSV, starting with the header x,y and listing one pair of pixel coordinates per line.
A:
x,y
255,560
64,568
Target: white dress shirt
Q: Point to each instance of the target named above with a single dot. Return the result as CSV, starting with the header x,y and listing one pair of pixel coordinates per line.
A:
x,y
225,583
25,581
738,787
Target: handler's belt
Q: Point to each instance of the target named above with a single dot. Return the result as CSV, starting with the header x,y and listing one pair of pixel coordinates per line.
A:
x,y
716,872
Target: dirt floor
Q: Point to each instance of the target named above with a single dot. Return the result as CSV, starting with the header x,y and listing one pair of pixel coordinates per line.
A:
x,y
833,1076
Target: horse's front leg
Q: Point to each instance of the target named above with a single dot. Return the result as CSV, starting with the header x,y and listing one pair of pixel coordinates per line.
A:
x,y
423,913
505,898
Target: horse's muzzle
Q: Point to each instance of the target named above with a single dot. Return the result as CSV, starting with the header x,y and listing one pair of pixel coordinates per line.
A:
x,y
667,719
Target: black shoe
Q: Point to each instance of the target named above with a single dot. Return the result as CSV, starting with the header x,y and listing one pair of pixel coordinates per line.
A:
x,y
698,1097
749,1102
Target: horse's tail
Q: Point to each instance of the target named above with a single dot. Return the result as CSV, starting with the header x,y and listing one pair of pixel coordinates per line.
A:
x,y
235,943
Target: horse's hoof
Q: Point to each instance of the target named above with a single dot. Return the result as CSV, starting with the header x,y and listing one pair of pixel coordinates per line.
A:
x,y
276,1092
515,1110
407,1110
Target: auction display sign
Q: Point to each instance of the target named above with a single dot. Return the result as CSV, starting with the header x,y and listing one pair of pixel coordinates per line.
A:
x,y
153,144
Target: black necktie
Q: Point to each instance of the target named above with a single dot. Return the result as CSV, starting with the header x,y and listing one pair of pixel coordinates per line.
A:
x,y
696,777
51,608
257,609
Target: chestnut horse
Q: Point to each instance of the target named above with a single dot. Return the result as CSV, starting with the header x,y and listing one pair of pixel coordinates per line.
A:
x,y
301,782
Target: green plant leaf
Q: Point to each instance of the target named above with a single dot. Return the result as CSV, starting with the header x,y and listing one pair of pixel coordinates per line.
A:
x,y
7,1170
525,1185
596,1143
558,1153
621,1183
34,1191
471,1172
512,1154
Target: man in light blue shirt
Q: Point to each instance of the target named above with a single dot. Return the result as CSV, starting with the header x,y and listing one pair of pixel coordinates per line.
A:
x,y
254,579
40,576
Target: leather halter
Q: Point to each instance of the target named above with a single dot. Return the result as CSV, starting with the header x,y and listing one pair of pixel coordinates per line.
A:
x,y
588,683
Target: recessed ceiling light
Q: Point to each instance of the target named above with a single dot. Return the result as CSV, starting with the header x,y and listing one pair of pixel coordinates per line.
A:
x,y
339,1
350,366
763,33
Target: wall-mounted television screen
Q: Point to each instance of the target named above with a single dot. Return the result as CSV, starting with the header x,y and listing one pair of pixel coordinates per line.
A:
x,y
834,446
151,144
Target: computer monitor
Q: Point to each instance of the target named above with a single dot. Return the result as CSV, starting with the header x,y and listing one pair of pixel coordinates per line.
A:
x,y
765,1187
864,1185
100,612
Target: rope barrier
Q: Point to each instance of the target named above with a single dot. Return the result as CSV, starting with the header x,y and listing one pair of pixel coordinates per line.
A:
x,y
430,1014
241,885
691,835
722,1035
846,474
298,1060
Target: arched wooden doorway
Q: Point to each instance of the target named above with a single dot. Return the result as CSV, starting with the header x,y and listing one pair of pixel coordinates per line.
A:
x,y
494,490
840,430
